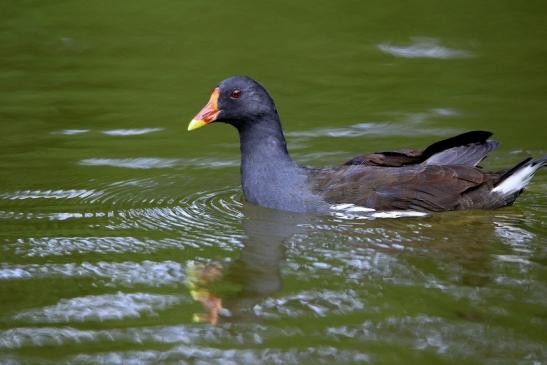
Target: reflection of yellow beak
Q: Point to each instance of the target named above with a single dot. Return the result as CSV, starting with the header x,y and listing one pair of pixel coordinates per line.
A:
x,y
208,114
197,277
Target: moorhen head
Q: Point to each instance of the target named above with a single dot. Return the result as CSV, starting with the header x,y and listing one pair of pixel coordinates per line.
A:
x,y
239,101
443,176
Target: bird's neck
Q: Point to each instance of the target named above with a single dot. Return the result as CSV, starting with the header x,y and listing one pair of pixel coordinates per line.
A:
x,y
262,141
267,170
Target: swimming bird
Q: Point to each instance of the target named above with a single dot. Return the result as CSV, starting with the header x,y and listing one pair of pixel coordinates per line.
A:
x,y
444,176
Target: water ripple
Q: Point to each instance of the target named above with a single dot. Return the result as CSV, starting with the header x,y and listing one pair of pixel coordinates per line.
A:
x,y
201,219
71,132
131,132
21,337
127,273
132,163
209,355
424,48
51,194
204,211
317,303
443,336
409,125
157,163
100,308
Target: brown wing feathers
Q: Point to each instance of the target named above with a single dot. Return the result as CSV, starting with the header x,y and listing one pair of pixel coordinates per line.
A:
x,y
424,188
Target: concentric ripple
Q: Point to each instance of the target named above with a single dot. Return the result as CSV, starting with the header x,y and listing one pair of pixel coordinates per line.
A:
x,y
111,209
146,204
143,203
211,210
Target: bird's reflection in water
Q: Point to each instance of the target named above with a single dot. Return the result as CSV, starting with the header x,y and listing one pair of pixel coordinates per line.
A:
x,y
450,251
231,291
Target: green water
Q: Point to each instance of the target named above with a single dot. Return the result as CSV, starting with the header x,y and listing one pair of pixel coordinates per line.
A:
x,y
125,239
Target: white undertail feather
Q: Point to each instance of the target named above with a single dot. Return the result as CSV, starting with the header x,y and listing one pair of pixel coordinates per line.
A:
x,y
519,179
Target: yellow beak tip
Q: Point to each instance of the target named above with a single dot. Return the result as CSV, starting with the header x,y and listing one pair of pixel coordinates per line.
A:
x,y
195,124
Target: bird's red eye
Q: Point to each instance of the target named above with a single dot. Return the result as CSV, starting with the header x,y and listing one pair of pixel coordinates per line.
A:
x,y
235,94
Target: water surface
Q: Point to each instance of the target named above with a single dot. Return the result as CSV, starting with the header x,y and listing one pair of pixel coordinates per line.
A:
x,y
125,239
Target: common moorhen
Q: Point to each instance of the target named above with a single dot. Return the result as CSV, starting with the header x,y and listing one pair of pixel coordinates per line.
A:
x,y
444,176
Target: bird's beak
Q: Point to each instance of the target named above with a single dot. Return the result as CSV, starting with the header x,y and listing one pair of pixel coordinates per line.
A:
x,y
208,114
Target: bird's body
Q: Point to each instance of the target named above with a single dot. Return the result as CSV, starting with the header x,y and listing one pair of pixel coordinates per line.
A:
x,y
418,187
444,176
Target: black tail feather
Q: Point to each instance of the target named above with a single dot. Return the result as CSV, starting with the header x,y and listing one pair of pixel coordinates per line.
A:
x,y
456,141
